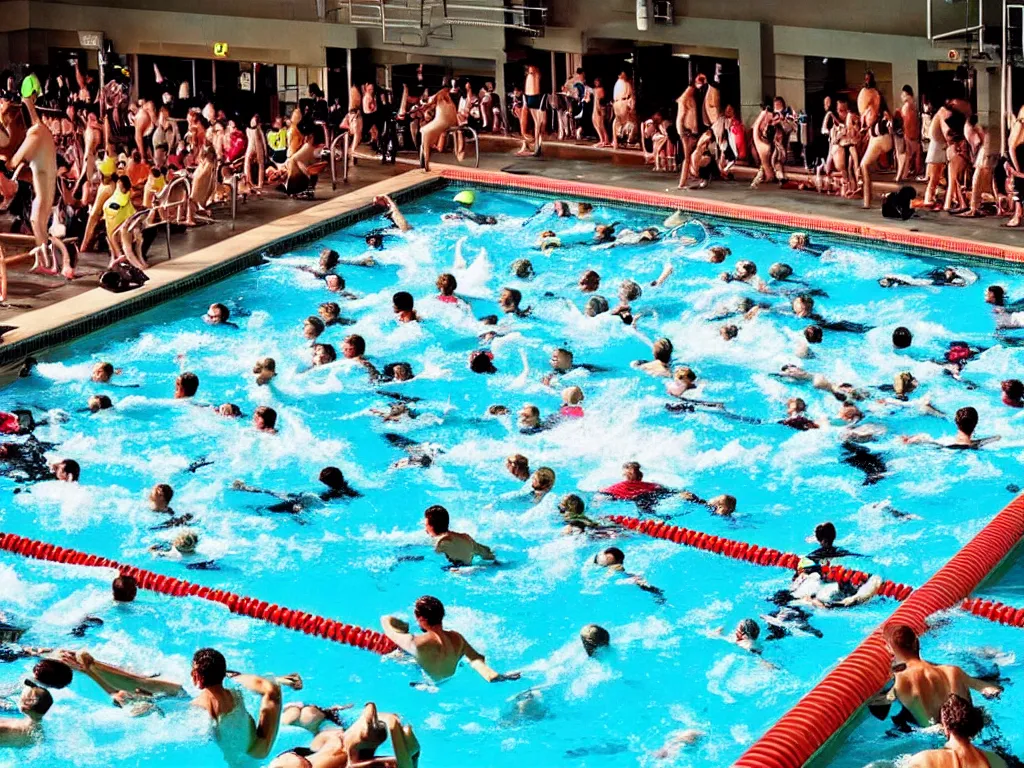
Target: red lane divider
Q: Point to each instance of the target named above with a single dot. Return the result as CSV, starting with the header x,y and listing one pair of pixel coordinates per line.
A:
x,y
738,550
300,621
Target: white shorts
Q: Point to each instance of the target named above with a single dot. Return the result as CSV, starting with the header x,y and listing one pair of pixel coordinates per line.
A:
x,y
936,153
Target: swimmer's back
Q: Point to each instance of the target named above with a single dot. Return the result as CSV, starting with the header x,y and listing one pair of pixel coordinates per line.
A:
x,y
922,688
947,758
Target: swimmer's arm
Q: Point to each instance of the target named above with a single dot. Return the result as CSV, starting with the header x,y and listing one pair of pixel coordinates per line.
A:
x,y
665,273
482,551
693,498
919,439
986,688
239,485
397,631
476,661
983,441
13,726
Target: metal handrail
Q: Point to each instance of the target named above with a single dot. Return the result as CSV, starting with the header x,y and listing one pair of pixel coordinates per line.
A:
x,y
342,134
475,138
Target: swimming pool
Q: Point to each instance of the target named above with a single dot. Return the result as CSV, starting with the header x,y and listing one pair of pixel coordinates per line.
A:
x,y
354,560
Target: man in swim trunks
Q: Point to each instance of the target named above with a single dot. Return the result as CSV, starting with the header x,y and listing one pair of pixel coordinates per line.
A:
x,y
533,109
922,687
459,548
961,722
234,728
438,650
687,126
35,701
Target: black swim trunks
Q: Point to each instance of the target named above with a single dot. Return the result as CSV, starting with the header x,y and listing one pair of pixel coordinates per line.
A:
x,y
533,102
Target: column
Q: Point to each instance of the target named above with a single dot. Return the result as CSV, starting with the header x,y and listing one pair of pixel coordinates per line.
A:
x,y
499,81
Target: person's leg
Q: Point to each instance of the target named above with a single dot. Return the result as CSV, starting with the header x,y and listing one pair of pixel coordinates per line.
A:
x,y
538,129
524,128
954,169
934,171
428,135
403,741
688,143
875,148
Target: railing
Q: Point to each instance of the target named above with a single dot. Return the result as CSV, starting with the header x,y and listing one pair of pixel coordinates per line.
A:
x,y
474,137
343,134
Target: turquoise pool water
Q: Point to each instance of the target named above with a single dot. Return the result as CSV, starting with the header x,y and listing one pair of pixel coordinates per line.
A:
x,y
358,559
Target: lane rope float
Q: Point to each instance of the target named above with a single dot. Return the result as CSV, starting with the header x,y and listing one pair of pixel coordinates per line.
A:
x,y
300,621
738,550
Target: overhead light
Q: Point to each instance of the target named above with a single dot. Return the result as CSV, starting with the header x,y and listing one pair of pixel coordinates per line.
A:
x,y
681,55
825,60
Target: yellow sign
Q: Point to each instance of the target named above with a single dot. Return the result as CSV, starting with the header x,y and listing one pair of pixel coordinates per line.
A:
x,y
220,50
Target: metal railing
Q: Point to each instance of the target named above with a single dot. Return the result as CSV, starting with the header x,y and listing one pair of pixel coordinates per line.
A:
x,y
474,137
342,135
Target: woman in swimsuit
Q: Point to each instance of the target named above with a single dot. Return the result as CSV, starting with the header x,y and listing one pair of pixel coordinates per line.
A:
x,y
879,144
764,136
255,152
961,722
445,117
599,117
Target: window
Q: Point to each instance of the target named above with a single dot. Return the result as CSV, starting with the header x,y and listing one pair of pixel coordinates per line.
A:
x,y
293,84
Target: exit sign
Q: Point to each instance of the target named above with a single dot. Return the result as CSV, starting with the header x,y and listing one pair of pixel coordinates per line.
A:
x,y
220,50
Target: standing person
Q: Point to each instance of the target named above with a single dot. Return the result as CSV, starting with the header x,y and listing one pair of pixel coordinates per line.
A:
x,y
277,141
533,110
445,117
438,650
686,127
763,131
165,137
91,138
712,107
879,144
911,132
145,120
234,728
255,152
785,126
624,110
984,164
354,121
599,114
1015,168
370,115
946,127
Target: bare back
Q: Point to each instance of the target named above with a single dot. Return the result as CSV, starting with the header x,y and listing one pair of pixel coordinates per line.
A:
x,y
532,87
439,652
911,120
923,688
969,757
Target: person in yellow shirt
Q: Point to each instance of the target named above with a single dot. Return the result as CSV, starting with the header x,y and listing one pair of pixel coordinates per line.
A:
x,y
277,140
124,242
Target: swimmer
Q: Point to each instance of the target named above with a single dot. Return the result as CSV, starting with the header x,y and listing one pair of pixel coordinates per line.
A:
x,y
903,384
728,332
745,636
402,306
808,586
34,702
264,370
312,327
330,313
563,363
264,419
56,668
920,686
961,722
634,488
796,415
459,548
124,588
332,477
957,277
571,508
902,338
589,282
160,498
1013,393
438,650
393,212
723,505
186,385
548,241
604,233
336,284
718,253
66,470
218,314
229,410
482,361
509,301
661,365
800,241
529,420
102,372
596,305
594,637
353,348
98,403
571,399
613,559
746,272
397,372
518,466
523,269
446,286
966,421
323,354
235,731
827,551
803,307
541,483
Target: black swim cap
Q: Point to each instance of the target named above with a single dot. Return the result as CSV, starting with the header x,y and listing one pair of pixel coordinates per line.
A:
x,y
901,338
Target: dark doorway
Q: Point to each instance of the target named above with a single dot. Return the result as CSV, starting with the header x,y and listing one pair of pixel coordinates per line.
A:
x,y
939,81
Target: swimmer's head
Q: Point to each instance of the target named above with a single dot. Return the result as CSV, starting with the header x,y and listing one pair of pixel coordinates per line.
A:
x,y
334,283
779,271
803,306
497,410
604,233
543,479
594,638
584,209
825,534
402,301
718,253
629,290
799,240
724,504
562,209
745,269
813,334
67,470
571,505
482,361
160,496
590,281
324,354
572,396
850,413
35,701
903,641
509,300
966,420
610,557
436,520
904,383
265,365
561,360
960,718
329,312
398,372
662,350
186,385
185,542
1013,390
902,338
333,478
747,630
631,471
375,240
684,373
312,327
429,612
208,668
596,305
230,410
353,347
124,588
264,419
100,403
529,415
101,372
795,405
53,673
518,465
328,259
522,268
729,332
217,314
995,295
446,284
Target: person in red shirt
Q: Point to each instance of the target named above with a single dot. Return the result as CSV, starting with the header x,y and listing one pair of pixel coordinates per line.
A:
x,y
633,487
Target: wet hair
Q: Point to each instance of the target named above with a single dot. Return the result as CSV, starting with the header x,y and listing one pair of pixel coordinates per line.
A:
x,y
718,253
185,542
209,667
998,293
634,468
357,342
804,299
1013,389
437,517
572,395
102,402
41,699
545,475
662,350
961,718
446,284
233,409
515,296
329,258
330,308
222,310
164,490
316,322
52,673
591,276
903,383
333,478
518,461
107,368
901,338
594,637
616,554
903,639
71,468
684,373
522,268
571,505
746,268
750,628
825,533
481,362
189,383
394,370
327,350
966,420
813,334
124,588
375,240
337,279
630,290
430,609
729,332
798,404
779,271
402,301
268,415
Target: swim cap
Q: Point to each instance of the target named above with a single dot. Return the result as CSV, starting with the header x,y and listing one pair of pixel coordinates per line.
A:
x,y
465,197
31,86
901,338
106,166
